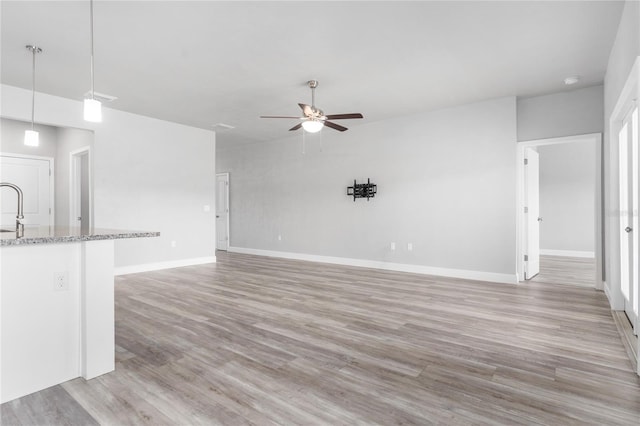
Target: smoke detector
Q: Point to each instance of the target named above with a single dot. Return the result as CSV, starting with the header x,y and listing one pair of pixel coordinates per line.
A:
x,y
570,81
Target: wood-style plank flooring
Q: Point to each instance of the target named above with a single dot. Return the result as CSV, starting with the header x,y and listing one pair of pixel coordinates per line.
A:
x,y
566,270
257,340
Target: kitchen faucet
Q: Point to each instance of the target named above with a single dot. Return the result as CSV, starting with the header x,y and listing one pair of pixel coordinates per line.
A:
x,y
20,215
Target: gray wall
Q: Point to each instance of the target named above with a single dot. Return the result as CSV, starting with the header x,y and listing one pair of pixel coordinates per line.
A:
x,y
569,113
155,175
625,51
445,184
149,174
567,188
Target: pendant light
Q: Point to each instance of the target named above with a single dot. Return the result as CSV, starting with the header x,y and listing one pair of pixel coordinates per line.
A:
x,y
31,137
92,106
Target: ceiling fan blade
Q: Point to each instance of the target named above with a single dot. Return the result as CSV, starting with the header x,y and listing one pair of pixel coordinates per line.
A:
x,y
334,126
344,116
306,109
296,127
279,116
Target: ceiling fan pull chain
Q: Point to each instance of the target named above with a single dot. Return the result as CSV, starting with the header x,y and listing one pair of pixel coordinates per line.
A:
x,y
304,144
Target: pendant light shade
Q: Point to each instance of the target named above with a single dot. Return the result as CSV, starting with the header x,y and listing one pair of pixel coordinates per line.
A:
x,y
312,126
92,110
31,137
92,106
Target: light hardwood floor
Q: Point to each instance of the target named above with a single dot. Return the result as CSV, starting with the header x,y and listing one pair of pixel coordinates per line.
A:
x,y
256,340
567,270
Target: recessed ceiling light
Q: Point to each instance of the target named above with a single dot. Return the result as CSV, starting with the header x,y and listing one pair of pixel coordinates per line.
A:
x,y
571,80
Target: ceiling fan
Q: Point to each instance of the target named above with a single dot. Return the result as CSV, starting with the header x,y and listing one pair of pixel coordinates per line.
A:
x,y
314,119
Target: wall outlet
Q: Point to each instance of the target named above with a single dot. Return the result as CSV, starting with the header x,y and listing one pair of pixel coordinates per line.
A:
x,y
60,281
279,237
173,243
206,208
409,247
393,246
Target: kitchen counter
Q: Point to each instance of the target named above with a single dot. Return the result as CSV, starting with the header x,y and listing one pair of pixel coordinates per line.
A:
x,y
57,317
57,234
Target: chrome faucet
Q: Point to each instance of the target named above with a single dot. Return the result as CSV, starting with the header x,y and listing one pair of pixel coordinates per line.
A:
x,y
20,215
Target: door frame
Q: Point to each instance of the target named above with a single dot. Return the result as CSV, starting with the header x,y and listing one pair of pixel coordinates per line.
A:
x,y
52,175
228,180
74,158
521,235
630,93
628,239
529,212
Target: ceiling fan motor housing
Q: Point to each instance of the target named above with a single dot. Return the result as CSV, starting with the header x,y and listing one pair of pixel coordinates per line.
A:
x,y
317,114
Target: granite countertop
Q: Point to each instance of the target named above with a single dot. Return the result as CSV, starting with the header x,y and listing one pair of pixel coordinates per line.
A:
x,y
58,234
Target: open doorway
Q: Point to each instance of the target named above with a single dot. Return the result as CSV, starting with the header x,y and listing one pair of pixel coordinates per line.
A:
x,y
80,188
222,211
560,211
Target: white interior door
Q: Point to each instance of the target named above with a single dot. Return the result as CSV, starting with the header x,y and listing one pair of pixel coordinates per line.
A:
x,y
629,193
532,213
222,211
34,178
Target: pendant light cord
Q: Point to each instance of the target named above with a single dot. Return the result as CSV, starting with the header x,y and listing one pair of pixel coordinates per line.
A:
x,y
34,49
92,106
91,25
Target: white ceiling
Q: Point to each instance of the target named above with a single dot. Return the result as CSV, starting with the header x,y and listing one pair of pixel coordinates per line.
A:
x,y
206,62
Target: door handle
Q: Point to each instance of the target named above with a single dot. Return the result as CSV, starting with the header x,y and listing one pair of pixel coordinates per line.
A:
x,y
628,229
217,217
539,219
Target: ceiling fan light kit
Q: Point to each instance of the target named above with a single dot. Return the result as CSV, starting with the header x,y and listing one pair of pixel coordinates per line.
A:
x,y
314,119
312,126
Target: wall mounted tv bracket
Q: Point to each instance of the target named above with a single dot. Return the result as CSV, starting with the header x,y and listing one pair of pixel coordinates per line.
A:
x,y
362,190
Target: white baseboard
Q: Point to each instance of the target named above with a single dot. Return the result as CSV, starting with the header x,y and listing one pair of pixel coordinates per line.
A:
x,y
146,267
389,266
568,253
